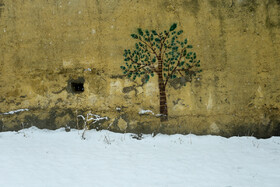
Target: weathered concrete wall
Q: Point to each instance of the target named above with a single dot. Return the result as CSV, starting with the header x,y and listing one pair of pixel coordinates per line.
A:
x,y
47,43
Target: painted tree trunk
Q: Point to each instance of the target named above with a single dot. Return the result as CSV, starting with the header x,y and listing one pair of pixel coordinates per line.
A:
x,y
162,95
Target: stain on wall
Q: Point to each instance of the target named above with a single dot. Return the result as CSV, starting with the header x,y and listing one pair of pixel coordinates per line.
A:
x,y
45,44
1,7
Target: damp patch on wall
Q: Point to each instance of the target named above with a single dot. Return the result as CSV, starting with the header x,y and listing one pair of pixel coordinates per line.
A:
x,y
1,7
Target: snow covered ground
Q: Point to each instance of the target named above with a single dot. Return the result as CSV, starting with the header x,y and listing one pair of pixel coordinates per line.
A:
x,y
34,157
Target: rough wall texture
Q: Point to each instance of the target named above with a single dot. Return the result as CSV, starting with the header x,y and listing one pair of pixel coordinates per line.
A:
x,y
48,44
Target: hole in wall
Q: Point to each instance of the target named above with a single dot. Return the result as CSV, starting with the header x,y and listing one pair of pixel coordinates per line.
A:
x,y
76,86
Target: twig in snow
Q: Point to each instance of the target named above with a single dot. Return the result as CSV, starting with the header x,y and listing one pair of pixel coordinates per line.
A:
x,y
90,119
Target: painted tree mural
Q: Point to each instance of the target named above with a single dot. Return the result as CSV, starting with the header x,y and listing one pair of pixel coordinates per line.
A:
x,y
161,54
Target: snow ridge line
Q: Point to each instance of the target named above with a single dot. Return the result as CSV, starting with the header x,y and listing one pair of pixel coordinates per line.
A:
x,y
14,111
146,112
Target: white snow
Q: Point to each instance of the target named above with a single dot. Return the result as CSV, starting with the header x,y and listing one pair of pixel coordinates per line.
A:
x,y
142,112
15,111
34,157
88,69
159,115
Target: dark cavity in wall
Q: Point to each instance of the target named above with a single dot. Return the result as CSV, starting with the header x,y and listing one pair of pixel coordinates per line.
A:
x,y
76,86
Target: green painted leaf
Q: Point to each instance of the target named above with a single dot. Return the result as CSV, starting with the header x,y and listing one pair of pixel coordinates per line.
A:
x,y
180,32
184,52
186,41
134,36
173,27
140,32
189,54
189,46
147,78
157,40
154,32
147,33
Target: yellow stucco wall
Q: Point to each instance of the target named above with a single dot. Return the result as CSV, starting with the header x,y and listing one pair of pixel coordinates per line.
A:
x,y
46,43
